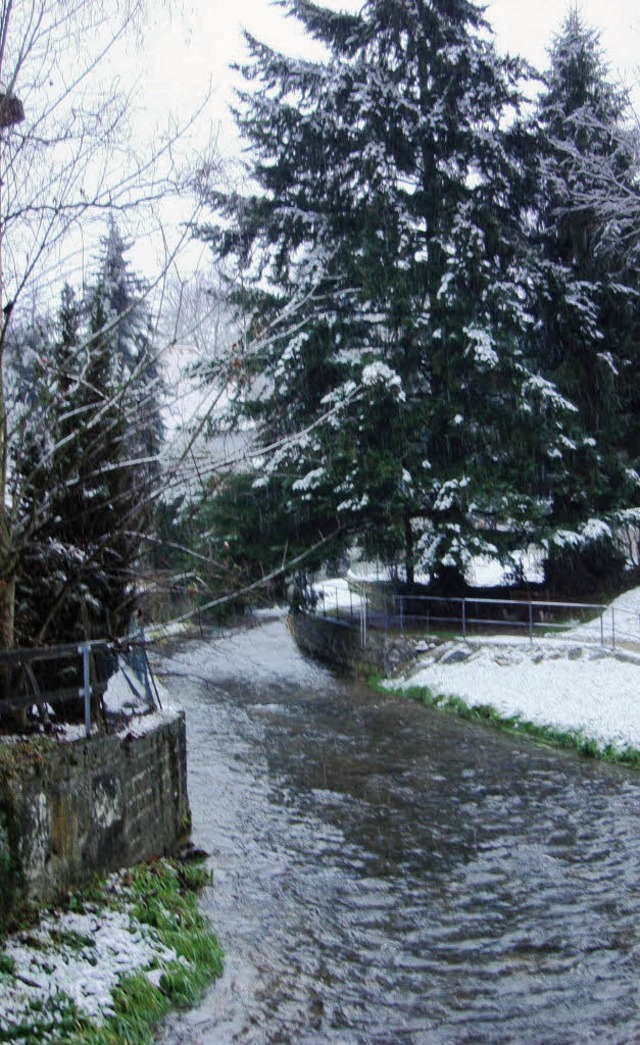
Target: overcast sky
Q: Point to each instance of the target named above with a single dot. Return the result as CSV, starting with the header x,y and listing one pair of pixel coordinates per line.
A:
x,y
182,54
198,46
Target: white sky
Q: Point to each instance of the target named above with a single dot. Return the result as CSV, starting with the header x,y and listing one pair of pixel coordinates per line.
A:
x,y
197,48
184,55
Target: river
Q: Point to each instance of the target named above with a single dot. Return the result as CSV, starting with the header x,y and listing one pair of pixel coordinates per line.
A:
x,y
385,874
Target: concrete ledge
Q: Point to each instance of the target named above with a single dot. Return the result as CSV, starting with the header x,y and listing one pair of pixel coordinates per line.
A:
x,y
71,808
339,644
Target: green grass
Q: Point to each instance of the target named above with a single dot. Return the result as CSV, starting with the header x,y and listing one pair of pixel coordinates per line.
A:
x,y
139,1008
163,895
486,714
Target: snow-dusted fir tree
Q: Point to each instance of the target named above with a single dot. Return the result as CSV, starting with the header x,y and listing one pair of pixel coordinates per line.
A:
x,y
50,566
88,460
385,241
589,307
120,317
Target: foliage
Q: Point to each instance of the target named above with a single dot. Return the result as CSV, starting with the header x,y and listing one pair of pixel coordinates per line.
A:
x,y
68,158
251,527
391,372
589,303
87,463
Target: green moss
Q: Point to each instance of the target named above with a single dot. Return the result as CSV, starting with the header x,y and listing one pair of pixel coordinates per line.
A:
x,y
27,752
486,714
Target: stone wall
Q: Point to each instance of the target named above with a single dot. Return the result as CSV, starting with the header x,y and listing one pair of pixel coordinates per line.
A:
x,y
71,808
339,644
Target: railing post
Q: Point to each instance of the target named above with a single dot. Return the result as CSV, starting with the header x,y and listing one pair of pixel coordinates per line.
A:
x,y
602,627
363,620
530,621
464,619
613,628
401,597
85,652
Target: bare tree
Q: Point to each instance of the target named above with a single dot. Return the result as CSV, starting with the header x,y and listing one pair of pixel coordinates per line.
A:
x,y
66,158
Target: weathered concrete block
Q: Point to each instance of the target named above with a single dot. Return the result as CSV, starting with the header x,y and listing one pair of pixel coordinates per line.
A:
x,y
69,809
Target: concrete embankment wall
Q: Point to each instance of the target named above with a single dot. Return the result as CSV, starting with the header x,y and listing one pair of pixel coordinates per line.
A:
x,y
340,644
71,808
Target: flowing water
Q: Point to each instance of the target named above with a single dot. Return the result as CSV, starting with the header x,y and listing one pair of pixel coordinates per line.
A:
x,y
386,874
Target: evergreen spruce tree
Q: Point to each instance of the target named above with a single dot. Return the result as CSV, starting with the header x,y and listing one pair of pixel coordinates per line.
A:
x,y
393,364
589,305
86,484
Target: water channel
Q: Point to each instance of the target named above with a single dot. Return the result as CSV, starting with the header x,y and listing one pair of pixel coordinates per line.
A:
x,y
389,875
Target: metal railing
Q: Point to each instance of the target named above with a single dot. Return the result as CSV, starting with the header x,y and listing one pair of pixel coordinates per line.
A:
x,y
88,667
421,614
339,603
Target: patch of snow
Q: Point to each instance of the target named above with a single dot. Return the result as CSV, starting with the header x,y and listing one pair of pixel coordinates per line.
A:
x,y
375,573
311,480
486,572
124,692
572,684
140,725
336,594
381,374
482,347
81,955
137,725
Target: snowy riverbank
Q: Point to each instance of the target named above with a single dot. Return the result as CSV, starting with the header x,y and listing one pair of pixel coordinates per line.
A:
x,y
111,962
571,684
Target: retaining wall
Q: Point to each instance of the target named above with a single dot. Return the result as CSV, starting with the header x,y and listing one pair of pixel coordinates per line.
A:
x,y
338,643
71,808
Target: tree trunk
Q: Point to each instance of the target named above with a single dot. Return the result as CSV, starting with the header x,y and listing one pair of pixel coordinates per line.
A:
x,y
409,562
7,565
7,603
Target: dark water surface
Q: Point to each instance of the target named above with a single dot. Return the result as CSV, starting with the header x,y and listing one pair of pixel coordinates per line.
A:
x,y
387,874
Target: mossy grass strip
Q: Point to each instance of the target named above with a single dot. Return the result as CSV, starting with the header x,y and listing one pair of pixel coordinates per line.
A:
x,y
575,740
162,895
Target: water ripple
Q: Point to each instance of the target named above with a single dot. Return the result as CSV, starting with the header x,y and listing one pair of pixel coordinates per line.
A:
x,y
386,874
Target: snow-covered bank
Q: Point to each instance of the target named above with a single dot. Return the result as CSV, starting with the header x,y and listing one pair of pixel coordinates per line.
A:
x,y
572,685
75,961
111,966
570,688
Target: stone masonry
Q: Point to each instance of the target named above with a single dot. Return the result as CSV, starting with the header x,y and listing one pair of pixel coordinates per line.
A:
x,y
71,808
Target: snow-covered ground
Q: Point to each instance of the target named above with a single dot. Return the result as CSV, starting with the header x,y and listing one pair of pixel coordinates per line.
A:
x,y
76,957
337,594
620,622
586,680
573,684
482,571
